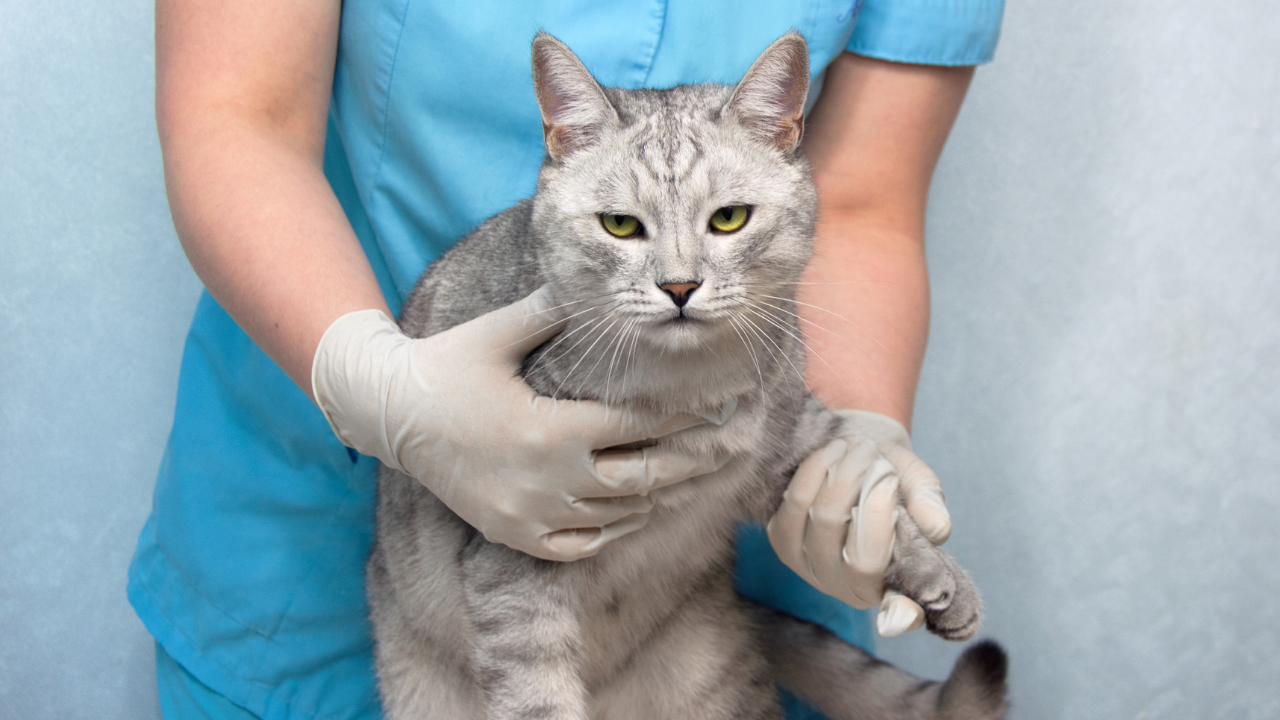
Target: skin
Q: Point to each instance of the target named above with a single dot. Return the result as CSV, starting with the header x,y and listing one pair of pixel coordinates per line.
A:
x,y
242,95
873,140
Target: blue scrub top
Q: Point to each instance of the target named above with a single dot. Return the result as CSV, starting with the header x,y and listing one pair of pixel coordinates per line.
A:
x,y
249,571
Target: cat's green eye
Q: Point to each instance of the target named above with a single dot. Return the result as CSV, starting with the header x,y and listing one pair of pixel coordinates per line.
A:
x,y
730,219
622,226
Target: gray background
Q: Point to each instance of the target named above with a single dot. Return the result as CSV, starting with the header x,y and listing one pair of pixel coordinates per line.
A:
x,y
1101,394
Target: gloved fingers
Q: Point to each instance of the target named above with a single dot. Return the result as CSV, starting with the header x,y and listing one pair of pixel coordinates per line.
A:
x,y
615,530
598,426
832,510
631,472
577,543
834,528
924,497
606,427
898,614
514,330
869,545
787,528
875,426
598,512
566,545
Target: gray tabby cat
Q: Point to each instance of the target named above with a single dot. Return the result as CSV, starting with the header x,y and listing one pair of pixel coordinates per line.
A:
x,y
674,224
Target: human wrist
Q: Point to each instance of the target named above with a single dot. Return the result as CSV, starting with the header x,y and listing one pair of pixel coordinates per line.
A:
x,y
877,427
351,374
921,491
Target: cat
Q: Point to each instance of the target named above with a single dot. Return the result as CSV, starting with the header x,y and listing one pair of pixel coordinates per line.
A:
x,y
660,218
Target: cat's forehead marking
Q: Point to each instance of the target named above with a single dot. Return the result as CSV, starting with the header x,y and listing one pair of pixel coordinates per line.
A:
x,y
669,160
666,128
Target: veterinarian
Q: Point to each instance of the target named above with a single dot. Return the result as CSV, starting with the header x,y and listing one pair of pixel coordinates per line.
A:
x,y
318,155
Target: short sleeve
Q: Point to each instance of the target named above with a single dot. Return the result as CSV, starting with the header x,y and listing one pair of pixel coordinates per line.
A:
x,y
928,32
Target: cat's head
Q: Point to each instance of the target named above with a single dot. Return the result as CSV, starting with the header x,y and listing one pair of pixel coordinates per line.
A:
x,y
684,213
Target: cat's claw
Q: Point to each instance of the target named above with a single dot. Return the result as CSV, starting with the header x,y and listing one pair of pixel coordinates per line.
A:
x,y
939,625
930,577
936,603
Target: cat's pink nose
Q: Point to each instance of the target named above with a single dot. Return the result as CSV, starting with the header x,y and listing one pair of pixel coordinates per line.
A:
x,y
680,292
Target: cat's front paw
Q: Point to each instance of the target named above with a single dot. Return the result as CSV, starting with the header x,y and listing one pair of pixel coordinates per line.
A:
x,y
933,579
934,589
961,615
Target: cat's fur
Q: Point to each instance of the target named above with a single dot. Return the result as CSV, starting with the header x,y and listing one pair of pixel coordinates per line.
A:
x,y
650,628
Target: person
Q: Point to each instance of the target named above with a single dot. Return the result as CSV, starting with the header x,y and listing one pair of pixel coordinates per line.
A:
x,y
318,156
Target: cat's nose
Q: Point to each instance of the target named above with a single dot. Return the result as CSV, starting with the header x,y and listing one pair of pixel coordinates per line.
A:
x,y
679,291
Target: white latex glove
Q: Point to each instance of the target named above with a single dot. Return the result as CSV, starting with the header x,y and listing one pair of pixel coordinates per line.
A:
x,y
453,411
835,527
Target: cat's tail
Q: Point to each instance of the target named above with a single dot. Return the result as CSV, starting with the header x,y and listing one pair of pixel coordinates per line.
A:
x,y
846,683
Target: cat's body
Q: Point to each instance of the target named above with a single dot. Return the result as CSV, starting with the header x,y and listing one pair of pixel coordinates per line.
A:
x,y
650,628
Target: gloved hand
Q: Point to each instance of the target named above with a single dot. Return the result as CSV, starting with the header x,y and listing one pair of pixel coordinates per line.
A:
x,y
835,527
453,411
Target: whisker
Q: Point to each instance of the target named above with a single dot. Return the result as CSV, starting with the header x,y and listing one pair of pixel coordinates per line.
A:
x,y
588,325
756,332
797,316
733,322
798,338
585,354
562,305
604,352
631,351
618,339
544,327
829,282
799,374
815,307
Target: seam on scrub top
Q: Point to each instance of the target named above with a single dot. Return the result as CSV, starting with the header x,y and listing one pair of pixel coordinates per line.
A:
x,y
386,115
191,642
182,575
653,52
270,691
348,500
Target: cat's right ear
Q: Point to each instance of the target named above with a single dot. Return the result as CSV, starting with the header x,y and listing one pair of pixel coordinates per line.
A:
x,y
574,108
769,100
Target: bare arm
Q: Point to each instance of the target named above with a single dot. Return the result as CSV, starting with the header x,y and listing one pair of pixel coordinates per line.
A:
x,y
873,139
242,96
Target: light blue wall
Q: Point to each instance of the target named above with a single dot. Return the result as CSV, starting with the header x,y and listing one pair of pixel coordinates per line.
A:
x,y
95,296
1102,389
1101,395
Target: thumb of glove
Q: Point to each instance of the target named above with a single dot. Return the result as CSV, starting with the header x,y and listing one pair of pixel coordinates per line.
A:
x,y
923,493
514,330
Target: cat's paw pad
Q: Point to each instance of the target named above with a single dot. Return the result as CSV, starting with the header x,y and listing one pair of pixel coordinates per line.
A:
x,y
936,596
960,618
925,576
955,626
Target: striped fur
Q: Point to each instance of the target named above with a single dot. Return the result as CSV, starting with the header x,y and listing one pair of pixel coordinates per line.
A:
x,y
650,628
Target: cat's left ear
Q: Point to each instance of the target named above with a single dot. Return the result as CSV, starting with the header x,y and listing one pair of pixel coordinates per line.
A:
x,y
574,107
769,100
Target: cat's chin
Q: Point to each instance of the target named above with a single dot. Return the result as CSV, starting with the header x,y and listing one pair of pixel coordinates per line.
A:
x,y
683,334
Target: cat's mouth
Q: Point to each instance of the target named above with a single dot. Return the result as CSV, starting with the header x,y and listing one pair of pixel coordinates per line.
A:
x,y
681,332
683,321
686,316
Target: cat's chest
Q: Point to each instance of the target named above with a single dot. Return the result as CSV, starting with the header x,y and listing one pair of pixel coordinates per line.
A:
x,y
693,523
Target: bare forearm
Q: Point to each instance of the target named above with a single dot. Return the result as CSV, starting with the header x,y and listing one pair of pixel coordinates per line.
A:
x,y
867,315
242,94
265,233
873,140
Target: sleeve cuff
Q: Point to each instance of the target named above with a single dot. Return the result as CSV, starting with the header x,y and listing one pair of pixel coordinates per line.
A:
x,y
928,32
